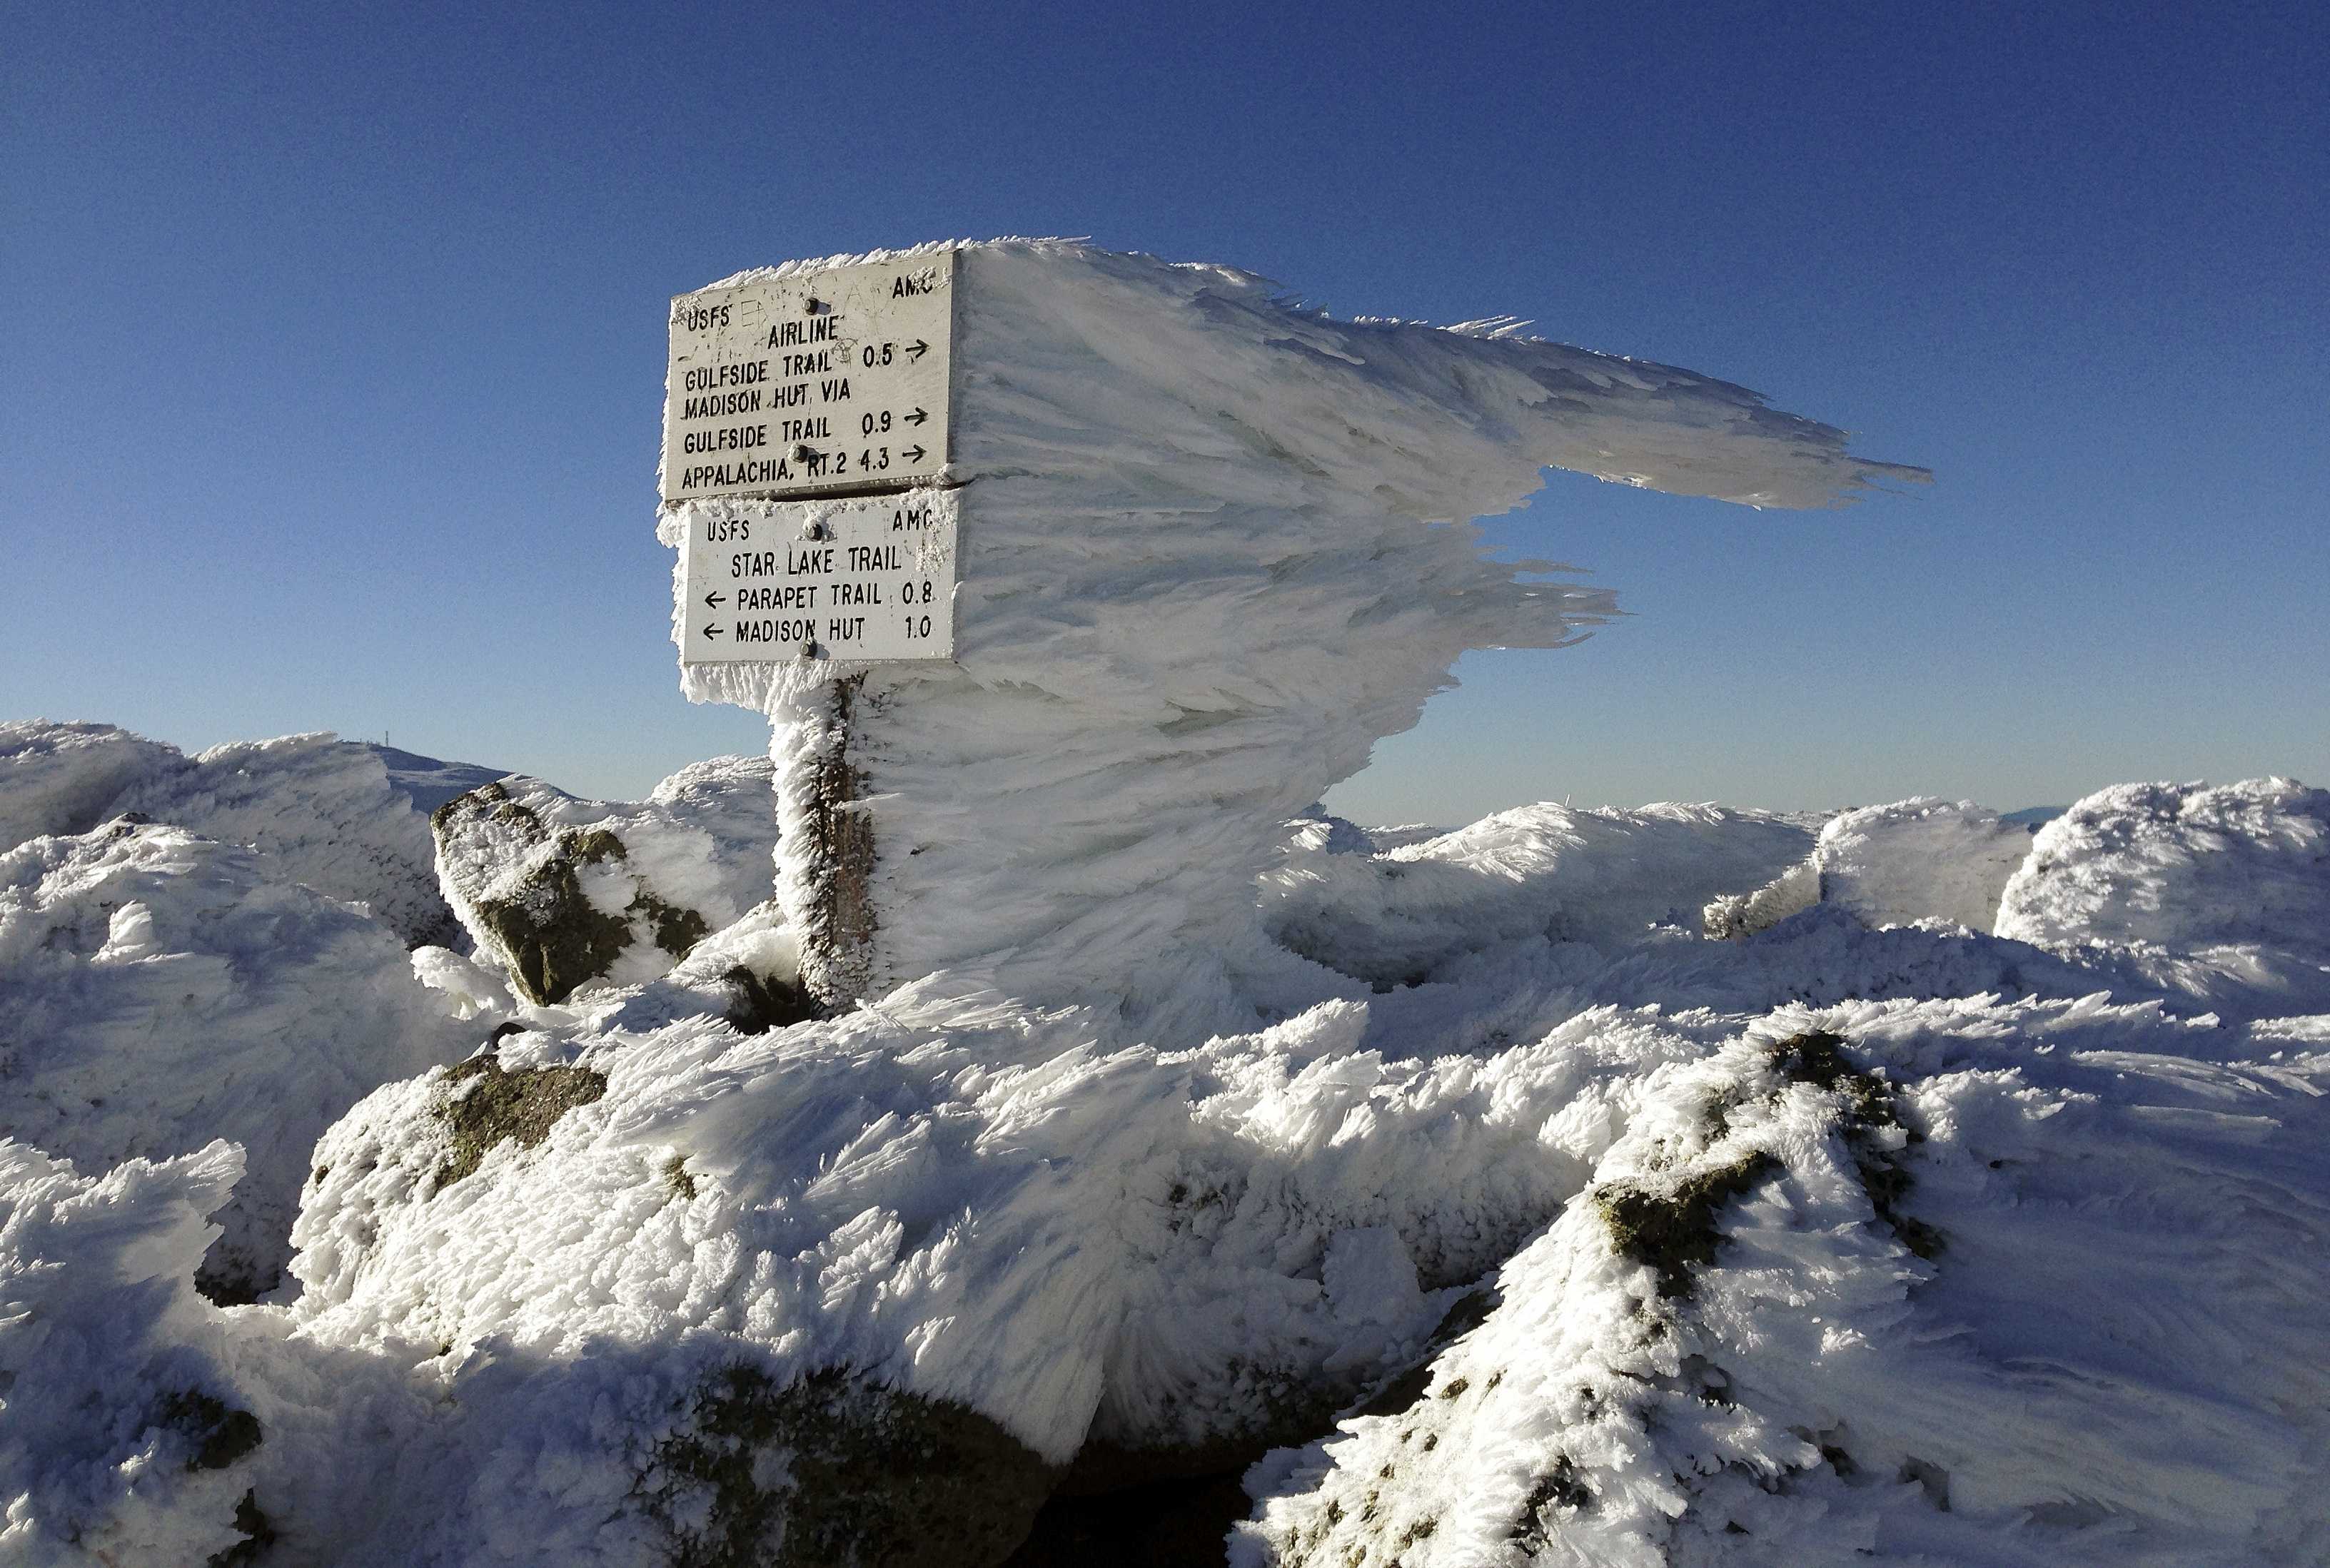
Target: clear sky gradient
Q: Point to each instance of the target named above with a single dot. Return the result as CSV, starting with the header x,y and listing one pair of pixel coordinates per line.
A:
x,y
334,345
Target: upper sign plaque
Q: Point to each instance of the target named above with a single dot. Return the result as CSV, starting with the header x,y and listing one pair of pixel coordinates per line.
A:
x,y
818,383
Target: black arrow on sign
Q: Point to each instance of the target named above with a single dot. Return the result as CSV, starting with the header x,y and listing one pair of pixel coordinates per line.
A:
x,y
712,631
714,601
917,417
913,454
916,349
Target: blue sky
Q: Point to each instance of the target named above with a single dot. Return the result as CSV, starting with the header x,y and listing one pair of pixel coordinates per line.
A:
x,y
334,342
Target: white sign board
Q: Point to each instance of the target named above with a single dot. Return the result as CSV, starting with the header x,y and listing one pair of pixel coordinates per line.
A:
x,y
815,384
868,577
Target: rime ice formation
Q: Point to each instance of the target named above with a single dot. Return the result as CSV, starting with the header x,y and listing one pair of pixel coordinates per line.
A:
x,y
328,813
1213,546
2185,867
62,778
1544,872
158,990
1922,859
564,893
2215,893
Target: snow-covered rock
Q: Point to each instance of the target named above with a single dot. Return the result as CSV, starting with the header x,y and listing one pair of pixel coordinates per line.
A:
x,y
325,812
635,1287
1542,871
2236,876
951,1194
159,990
1915,1282
123,1440
1913,860
566,892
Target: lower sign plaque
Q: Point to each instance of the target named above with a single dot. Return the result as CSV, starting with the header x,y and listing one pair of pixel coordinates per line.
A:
x,y
869,578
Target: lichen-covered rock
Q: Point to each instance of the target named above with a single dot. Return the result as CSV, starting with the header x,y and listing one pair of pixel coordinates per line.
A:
x,y
565,892
497,1105
833,1470
159,990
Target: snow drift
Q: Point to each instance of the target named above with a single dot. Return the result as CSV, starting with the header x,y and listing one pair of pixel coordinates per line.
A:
x,y
159,991
1922,859
332,814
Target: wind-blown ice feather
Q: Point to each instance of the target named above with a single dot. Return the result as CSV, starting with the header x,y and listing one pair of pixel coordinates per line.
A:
x,y
1214,546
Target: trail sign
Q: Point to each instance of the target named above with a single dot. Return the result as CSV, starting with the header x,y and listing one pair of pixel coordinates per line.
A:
x,y
816,384
866,578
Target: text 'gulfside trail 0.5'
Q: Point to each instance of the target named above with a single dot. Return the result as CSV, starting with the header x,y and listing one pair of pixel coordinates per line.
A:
x,y
811,406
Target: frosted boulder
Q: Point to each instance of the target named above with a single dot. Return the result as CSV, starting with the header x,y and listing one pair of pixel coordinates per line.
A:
x,y
1913,860
1543,871
159,990
1880,1283
2221,890
566,892
2183,865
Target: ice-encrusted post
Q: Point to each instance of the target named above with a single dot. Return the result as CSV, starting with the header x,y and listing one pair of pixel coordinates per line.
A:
x,y
825,856
1212,546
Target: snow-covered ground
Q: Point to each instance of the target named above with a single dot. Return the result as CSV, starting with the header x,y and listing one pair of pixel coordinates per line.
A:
x,y
1534,1223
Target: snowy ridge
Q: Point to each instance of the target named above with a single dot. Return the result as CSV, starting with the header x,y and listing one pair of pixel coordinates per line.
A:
x,y
325,811
1546,871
